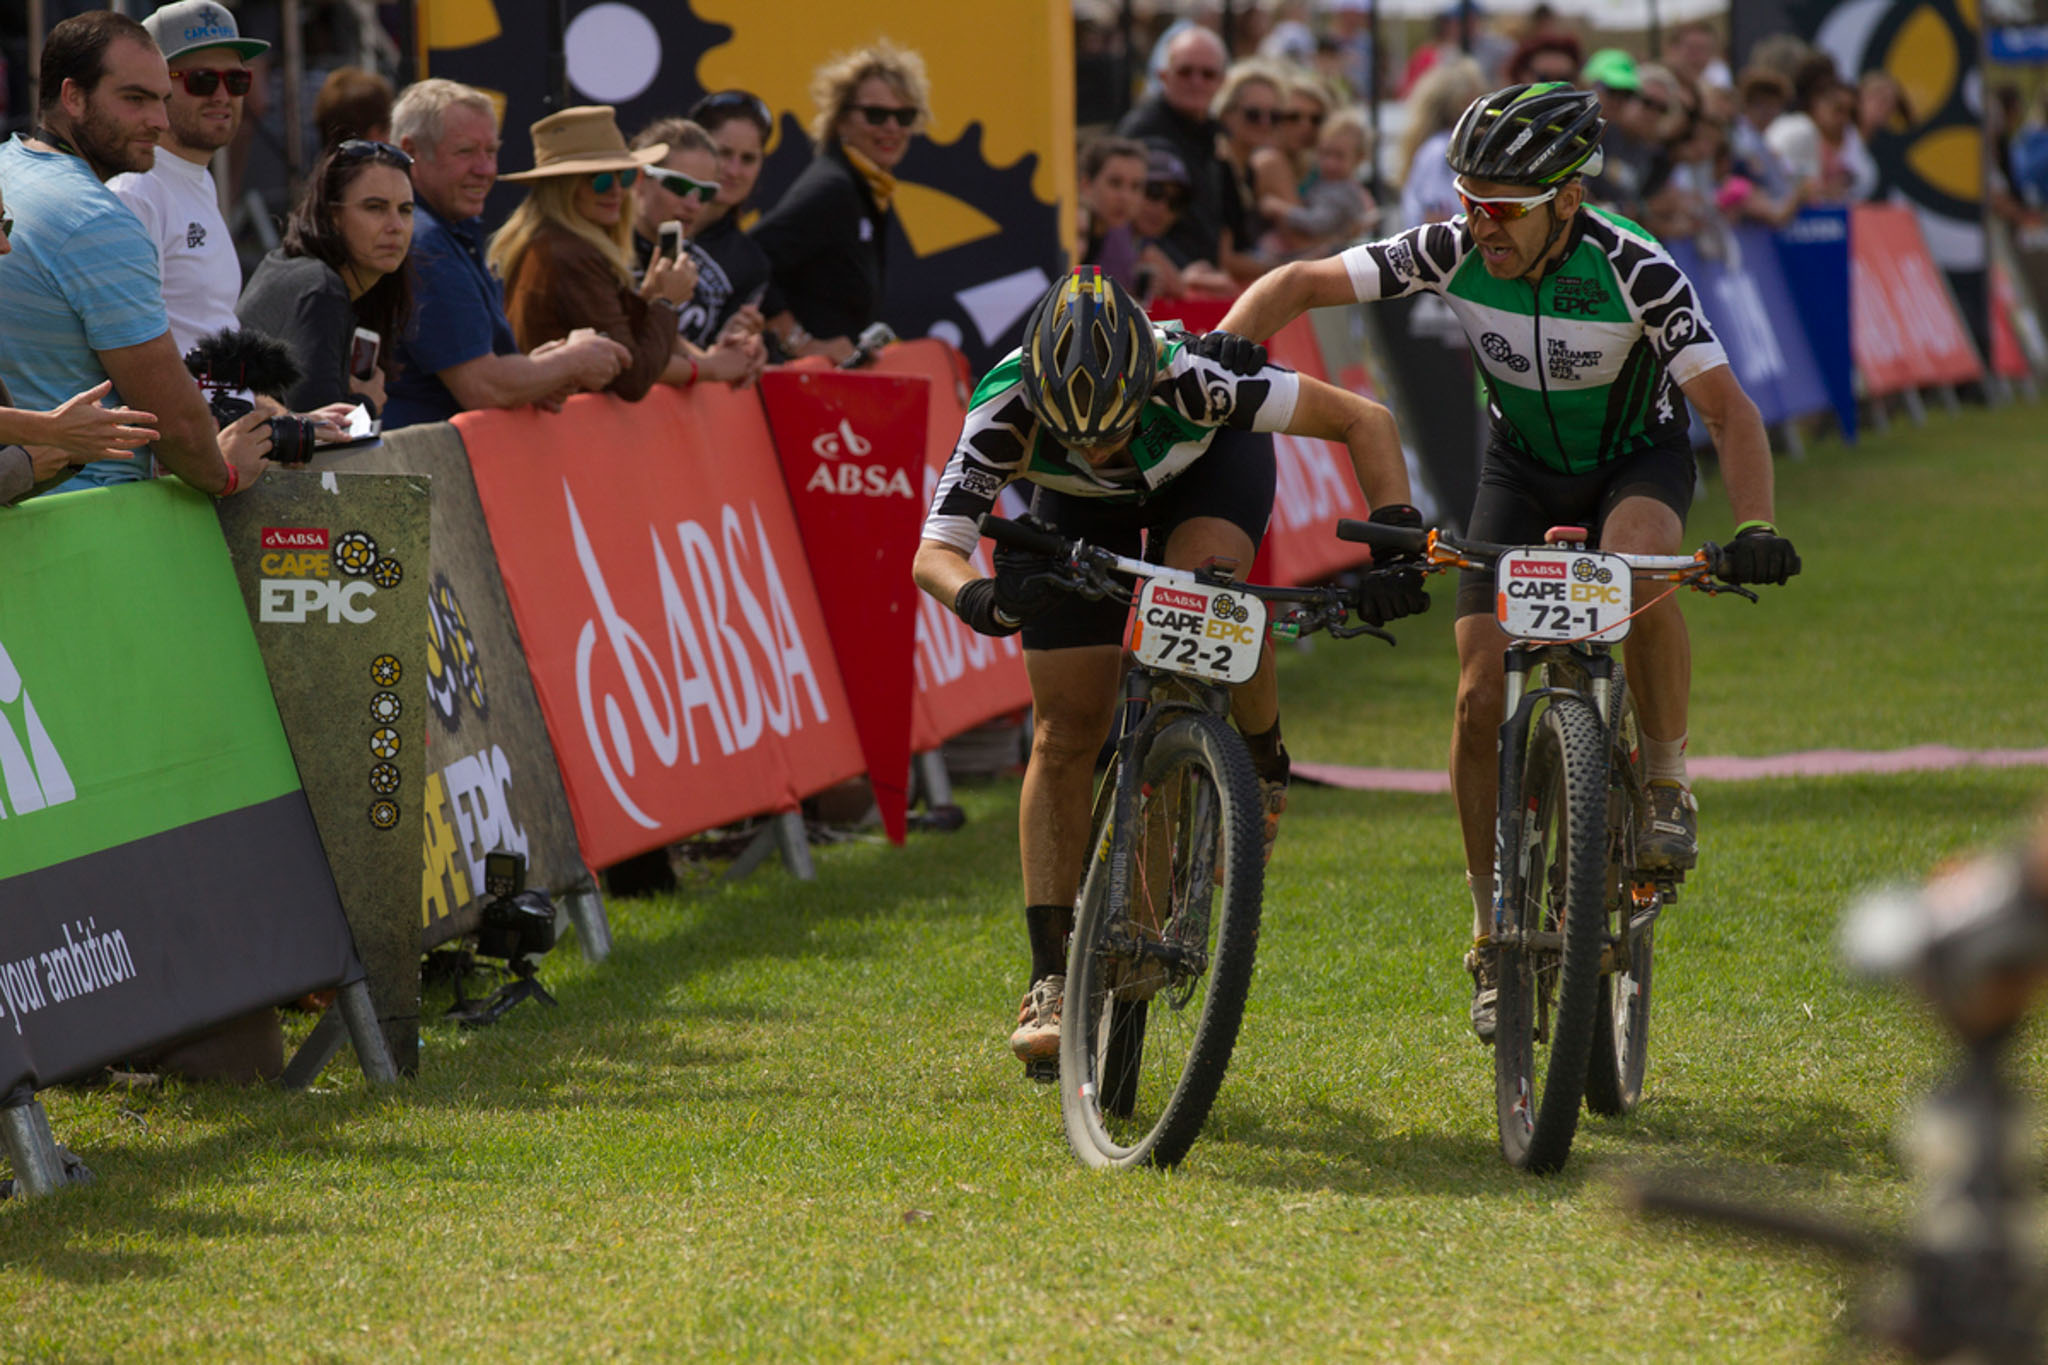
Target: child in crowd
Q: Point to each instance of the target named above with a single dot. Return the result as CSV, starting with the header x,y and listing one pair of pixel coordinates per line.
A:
x,y
1112,186
1334,207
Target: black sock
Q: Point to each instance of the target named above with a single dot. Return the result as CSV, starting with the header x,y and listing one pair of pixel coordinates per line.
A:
x,y
1269,755
1048,927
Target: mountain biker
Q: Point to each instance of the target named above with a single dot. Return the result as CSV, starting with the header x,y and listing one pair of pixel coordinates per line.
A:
x,y
1124,427
1586,333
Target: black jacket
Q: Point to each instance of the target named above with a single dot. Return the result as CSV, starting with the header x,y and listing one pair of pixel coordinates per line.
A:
x,y
825,242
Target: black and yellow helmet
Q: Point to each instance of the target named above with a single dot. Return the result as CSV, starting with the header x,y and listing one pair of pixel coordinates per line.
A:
x,y
1088,359
1529,135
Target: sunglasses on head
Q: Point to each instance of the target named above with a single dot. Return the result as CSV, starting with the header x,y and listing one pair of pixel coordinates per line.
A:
x,y
603,181
683,186
879,114
362,149
1504,209
203,81
706,110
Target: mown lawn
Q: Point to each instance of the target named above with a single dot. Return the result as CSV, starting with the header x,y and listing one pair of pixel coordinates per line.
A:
x,y
780,1121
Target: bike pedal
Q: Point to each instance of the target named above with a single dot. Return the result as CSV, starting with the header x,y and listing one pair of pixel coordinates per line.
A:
x,y
1044,1070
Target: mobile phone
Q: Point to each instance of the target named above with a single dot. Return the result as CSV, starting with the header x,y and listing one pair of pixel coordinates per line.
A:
x,y
362,353
672,240
1141,284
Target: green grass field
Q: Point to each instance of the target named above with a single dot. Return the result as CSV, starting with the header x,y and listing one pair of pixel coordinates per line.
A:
x,y
781,1123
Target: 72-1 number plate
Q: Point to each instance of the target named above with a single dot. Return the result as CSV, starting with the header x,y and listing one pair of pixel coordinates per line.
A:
x,y
1204,632
1563,595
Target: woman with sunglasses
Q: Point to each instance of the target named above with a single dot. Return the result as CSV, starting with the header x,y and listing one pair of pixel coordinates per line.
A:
x,y
1252,110
739,123
677,195
827,239
1592,343
566,253
342,265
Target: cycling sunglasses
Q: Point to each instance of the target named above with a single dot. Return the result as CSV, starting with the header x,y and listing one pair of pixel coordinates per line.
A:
x,y
1504,209
879,114
683,186
603,181
362,149
203,81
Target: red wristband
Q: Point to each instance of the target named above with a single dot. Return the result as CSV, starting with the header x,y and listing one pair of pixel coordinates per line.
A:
x,y
693,369
234,481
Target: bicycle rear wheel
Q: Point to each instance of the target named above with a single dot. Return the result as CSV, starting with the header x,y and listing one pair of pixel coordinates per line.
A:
x,y
1156,987
1621,1025
1549,966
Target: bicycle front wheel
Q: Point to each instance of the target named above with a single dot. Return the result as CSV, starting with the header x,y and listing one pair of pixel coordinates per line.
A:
x,y
1549,963
1156,985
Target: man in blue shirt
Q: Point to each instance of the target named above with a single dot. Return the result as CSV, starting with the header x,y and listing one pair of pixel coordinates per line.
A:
x,y
458,351
80,300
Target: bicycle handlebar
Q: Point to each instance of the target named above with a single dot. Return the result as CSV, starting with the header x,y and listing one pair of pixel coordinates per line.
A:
x,y
1441,549
1017,537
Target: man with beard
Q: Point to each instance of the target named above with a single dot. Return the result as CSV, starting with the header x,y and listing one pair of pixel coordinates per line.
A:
x,y
176,199
80,297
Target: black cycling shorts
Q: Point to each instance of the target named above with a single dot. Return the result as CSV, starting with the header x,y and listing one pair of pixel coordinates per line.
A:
x,y
1519,500
1233,480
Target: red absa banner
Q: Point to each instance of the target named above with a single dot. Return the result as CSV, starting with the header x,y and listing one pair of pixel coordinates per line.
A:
x,y
853,453
963,678
665,609
1905,330
1314,485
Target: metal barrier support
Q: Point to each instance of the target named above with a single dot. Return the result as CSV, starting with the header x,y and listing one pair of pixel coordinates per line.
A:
x,y
352,1015
39,1165
593,930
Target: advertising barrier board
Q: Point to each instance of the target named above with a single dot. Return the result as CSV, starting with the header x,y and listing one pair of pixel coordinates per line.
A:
x,y
658,580
1908,333
853,455
333,571
159,868
491,780
1751,311
1813,259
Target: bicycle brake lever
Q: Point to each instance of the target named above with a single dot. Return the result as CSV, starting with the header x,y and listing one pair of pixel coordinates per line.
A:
x,y
1338,632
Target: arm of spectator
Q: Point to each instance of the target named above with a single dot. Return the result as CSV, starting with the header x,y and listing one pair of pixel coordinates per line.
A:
x,y
583,360
370,390
1166,280
323,331
797,342
1273,179
1238,267
671,280
152,376
80,427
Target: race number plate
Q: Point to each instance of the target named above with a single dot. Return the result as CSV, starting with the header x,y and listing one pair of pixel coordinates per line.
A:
x,y
1204,632
1563,595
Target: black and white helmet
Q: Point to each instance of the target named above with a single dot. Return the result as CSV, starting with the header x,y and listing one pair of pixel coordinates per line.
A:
x,y
1089,359
1529,135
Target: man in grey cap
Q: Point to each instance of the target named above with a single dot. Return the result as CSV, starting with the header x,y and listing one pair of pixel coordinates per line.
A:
x,y
176,199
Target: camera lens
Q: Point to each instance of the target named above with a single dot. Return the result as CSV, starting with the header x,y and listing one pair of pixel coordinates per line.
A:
x,y
291,440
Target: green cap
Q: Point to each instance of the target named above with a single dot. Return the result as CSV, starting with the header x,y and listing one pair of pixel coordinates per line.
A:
x,y
1613,68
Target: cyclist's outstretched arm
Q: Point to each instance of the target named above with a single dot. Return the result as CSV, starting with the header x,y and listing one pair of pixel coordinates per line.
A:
x,y
1280,296
1367,431
1739,439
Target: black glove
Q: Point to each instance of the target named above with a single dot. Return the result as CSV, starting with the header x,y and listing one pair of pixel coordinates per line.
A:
x,y
1389,594
1397,514
1026,582
1239,355
975,604
1758,554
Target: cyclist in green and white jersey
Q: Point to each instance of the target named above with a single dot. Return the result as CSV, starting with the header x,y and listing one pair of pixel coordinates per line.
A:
x,y
1590,341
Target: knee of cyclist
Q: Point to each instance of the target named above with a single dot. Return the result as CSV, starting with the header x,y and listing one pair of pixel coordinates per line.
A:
x,y
1062,741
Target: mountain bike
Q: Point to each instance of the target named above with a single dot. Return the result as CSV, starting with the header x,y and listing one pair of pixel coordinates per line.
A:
x,y
1575,910
1159,963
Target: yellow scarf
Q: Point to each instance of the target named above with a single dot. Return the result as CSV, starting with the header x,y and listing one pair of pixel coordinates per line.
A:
x,y
881,184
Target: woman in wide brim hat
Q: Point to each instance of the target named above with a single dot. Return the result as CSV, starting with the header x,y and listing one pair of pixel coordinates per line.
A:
x,y
566,253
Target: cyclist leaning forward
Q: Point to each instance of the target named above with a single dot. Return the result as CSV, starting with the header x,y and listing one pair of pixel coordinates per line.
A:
x,y
1586,332
1125,429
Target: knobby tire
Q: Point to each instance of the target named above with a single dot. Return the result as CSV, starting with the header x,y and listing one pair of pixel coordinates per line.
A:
x,y
1621,1026
1143,1047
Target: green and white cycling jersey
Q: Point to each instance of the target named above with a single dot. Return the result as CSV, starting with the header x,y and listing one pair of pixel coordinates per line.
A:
x,y
1191,399
1582,369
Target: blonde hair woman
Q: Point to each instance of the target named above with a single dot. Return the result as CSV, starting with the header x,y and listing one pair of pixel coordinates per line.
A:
x,y
827,239
1427,195
566,253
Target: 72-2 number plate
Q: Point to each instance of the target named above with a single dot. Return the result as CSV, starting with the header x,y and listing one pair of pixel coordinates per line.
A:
x,y
1563,595
1204,632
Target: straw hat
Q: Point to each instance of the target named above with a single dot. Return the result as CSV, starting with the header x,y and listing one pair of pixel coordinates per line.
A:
x,y
583,141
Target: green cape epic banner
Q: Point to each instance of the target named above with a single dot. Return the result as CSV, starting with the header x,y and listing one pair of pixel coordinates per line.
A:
x,y
159,870
333,570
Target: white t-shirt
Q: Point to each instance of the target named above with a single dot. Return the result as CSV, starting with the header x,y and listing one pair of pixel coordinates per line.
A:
x,y
180,209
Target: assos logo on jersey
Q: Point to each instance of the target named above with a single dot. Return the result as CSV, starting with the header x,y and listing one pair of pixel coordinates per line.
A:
x,y
853,480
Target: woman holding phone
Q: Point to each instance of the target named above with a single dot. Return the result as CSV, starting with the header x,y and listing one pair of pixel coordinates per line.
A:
x,y
672,202
340,271
566,253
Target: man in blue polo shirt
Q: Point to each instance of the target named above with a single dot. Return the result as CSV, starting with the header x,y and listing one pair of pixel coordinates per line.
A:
x,y
80,299
458,352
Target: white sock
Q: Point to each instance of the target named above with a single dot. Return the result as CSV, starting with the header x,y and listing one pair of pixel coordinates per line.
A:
x,y
1664,760
1481,887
